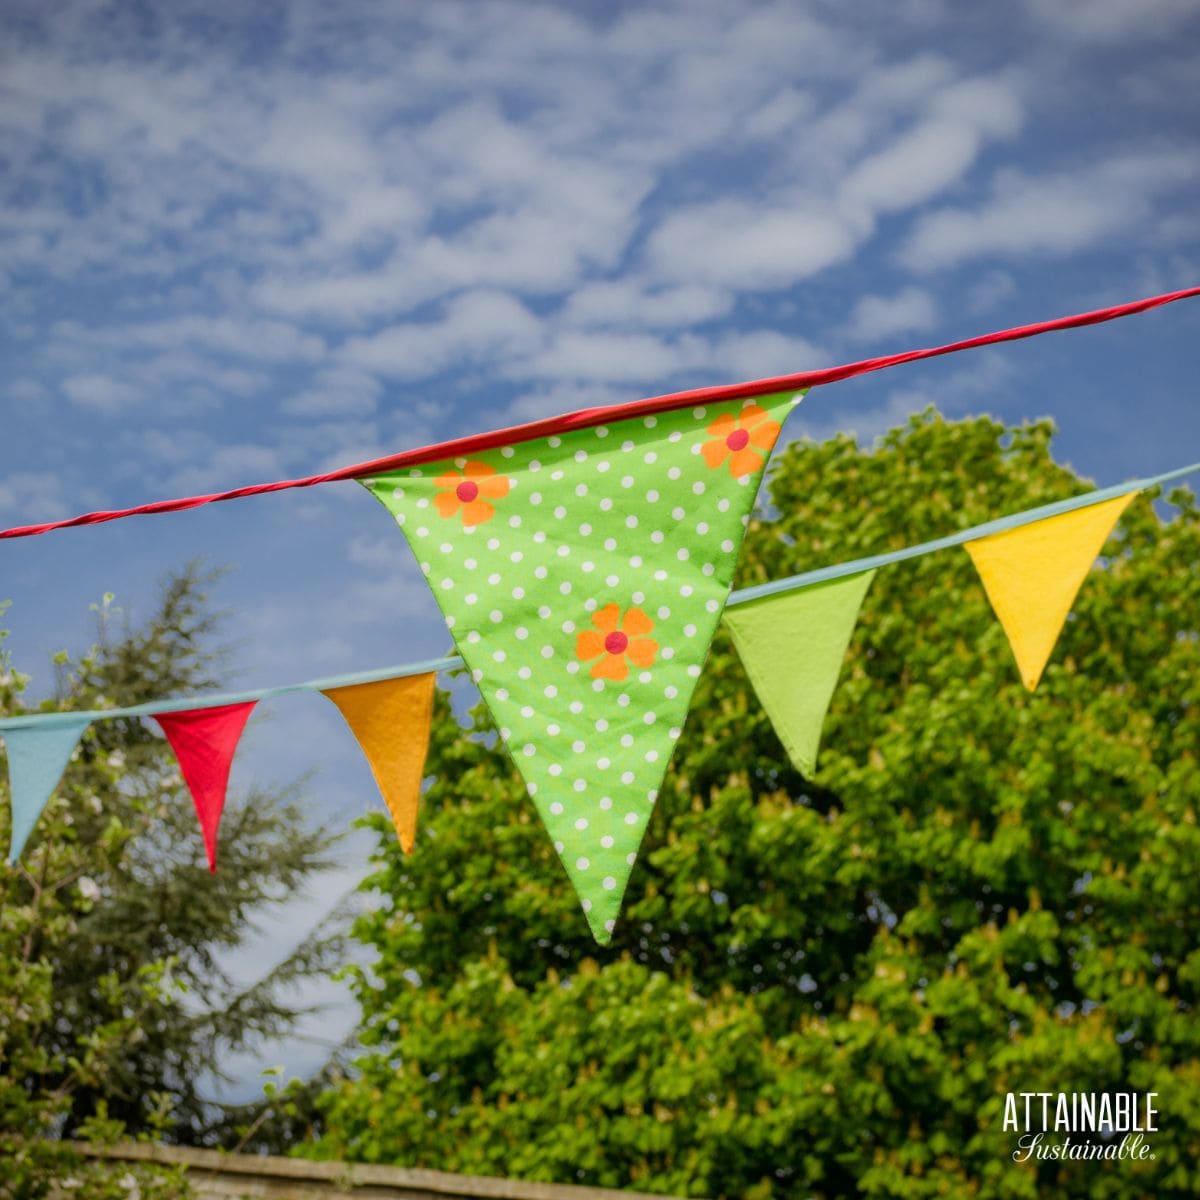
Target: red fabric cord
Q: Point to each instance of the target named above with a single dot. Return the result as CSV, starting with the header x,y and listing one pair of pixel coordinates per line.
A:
x,y
588,417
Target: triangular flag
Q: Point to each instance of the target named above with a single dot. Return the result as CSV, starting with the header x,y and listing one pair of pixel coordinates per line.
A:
x,y
204,740
390,719
792,647
1032,574
37,757
583,575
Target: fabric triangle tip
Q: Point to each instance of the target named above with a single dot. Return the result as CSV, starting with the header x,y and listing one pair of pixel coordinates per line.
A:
x,y
601,935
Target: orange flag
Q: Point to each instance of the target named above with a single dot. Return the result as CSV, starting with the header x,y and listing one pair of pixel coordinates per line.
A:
x,y
1032,574
391,720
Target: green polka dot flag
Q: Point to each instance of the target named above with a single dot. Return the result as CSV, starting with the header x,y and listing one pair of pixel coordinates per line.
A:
x,y
582,577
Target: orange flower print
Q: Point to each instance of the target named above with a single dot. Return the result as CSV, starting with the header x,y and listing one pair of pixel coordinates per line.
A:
x,y
468,493
617,641
745,440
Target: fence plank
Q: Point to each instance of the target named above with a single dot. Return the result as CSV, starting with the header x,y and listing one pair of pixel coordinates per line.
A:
x,y
216,1175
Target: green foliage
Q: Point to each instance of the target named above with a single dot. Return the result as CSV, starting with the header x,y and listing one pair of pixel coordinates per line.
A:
x,y
824,987
114,1008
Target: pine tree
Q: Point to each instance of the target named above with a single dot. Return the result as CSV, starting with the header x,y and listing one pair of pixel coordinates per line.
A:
x,y
116,929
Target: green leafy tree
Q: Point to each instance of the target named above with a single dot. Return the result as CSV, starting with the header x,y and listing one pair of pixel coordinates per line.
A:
x,y
115,1010
825,987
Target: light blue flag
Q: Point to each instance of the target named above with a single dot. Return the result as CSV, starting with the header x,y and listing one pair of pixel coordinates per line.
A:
x,y
37,757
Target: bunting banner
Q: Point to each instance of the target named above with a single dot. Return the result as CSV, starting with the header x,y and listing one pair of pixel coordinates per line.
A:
x,y
390,719
1032,575
792,647
37,756
582,577
586,625
204,741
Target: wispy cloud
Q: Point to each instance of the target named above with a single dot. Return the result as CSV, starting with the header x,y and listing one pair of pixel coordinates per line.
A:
x,y
1055,214
1113,21
32,496
910,310
100,392
478,325
314,213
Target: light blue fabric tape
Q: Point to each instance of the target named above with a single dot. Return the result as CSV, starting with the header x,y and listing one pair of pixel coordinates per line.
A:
x,y
181,705
744,596
955,539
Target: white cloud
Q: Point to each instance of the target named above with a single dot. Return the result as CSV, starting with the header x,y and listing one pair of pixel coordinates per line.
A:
x,y
989,290
750,246
100,393
607,357
479,324
321,145
499,210
915,167
232,465
910,310
336,391
626,303
339,297
650,360
34,496
371,212
249,338
1050,214
27,393
783,111
140,445
764,353
275,930
1112,21
939,149
254,338
867,162
825,145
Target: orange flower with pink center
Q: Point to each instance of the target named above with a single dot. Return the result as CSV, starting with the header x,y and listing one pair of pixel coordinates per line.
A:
x,y
469,493
616,642
744,441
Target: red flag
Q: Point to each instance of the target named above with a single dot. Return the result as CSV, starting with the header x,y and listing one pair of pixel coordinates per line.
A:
x,y
204,740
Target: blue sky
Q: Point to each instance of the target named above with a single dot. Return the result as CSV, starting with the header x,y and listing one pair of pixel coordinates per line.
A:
x,y
243,242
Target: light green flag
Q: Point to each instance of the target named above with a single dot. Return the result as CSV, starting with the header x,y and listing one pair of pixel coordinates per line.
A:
x,y
792,647
582,576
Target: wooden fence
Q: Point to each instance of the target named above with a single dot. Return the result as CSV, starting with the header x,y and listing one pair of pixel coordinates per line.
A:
x,y
215,1175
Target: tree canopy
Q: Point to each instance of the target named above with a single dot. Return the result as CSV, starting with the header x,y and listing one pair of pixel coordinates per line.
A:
x,y
825,987
116,1012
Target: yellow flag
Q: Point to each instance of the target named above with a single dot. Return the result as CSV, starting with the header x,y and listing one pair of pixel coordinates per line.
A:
x,y
391,721
1032,574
